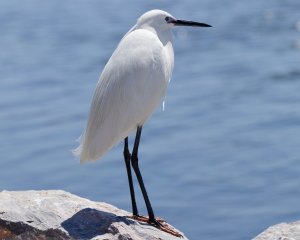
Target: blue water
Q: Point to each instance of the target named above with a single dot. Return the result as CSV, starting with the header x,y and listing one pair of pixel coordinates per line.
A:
x,y
221,162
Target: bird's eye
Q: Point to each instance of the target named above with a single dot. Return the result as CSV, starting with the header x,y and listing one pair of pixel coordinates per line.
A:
x,y
167,19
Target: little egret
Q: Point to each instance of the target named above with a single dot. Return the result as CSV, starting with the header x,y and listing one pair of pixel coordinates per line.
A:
x,y
132,84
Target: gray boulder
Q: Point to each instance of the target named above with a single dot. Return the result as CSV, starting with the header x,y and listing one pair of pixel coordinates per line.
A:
x,y
282,231
58,215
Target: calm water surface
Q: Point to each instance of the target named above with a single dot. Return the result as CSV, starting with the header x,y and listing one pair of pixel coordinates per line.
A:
x,y
222,161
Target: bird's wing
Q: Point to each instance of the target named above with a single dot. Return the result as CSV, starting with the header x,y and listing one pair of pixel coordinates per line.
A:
x,y
131,85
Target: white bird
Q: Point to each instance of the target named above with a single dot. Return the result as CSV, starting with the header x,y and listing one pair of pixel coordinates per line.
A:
x,y
133,83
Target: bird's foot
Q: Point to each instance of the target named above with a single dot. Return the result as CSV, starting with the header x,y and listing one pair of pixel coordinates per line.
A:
x,y
158,223
163,226
139,218
145,219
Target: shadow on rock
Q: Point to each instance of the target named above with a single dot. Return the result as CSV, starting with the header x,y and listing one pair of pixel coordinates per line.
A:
x,y
89,223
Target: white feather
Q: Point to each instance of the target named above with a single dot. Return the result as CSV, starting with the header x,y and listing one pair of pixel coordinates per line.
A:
x,y
132,84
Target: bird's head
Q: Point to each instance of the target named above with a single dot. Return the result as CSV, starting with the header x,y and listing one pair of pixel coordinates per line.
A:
x,y
162,21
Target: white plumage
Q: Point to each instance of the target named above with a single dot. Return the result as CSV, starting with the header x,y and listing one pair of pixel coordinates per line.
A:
x,y
132,84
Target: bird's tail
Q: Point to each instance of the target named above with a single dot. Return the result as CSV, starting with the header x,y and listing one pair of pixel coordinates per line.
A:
x,y
79,151
91,150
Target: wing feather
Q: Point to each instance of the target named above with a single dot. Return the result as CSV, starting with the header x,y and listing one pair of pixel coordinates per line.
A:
x,y
131,85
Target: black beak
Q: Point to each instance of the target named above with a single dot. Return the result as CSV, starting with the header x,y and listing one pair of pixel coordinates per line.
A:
x,y
190,23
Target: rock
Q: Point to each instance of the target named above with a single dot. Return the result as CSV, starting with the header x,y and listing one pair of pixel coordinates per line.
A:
x,y
282,231
57,214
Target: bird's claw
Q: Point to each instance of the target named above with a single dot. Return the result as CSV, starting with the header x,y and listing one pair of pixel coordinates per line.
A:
x,y
163,226
140,218
159,223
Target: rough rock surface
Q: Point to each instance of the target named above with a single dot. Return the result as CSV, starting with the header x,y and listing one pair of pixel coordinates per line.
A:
x,y
58,215
282,231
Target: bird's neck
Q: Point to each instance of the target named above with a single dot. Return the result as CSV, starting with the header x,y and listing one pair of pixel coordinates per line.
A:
x,y
164,35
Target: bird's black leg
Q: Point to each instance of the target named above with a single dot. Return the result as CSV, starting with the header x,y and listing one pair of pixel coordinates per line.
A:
x,y
135,165
160,224
127,157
